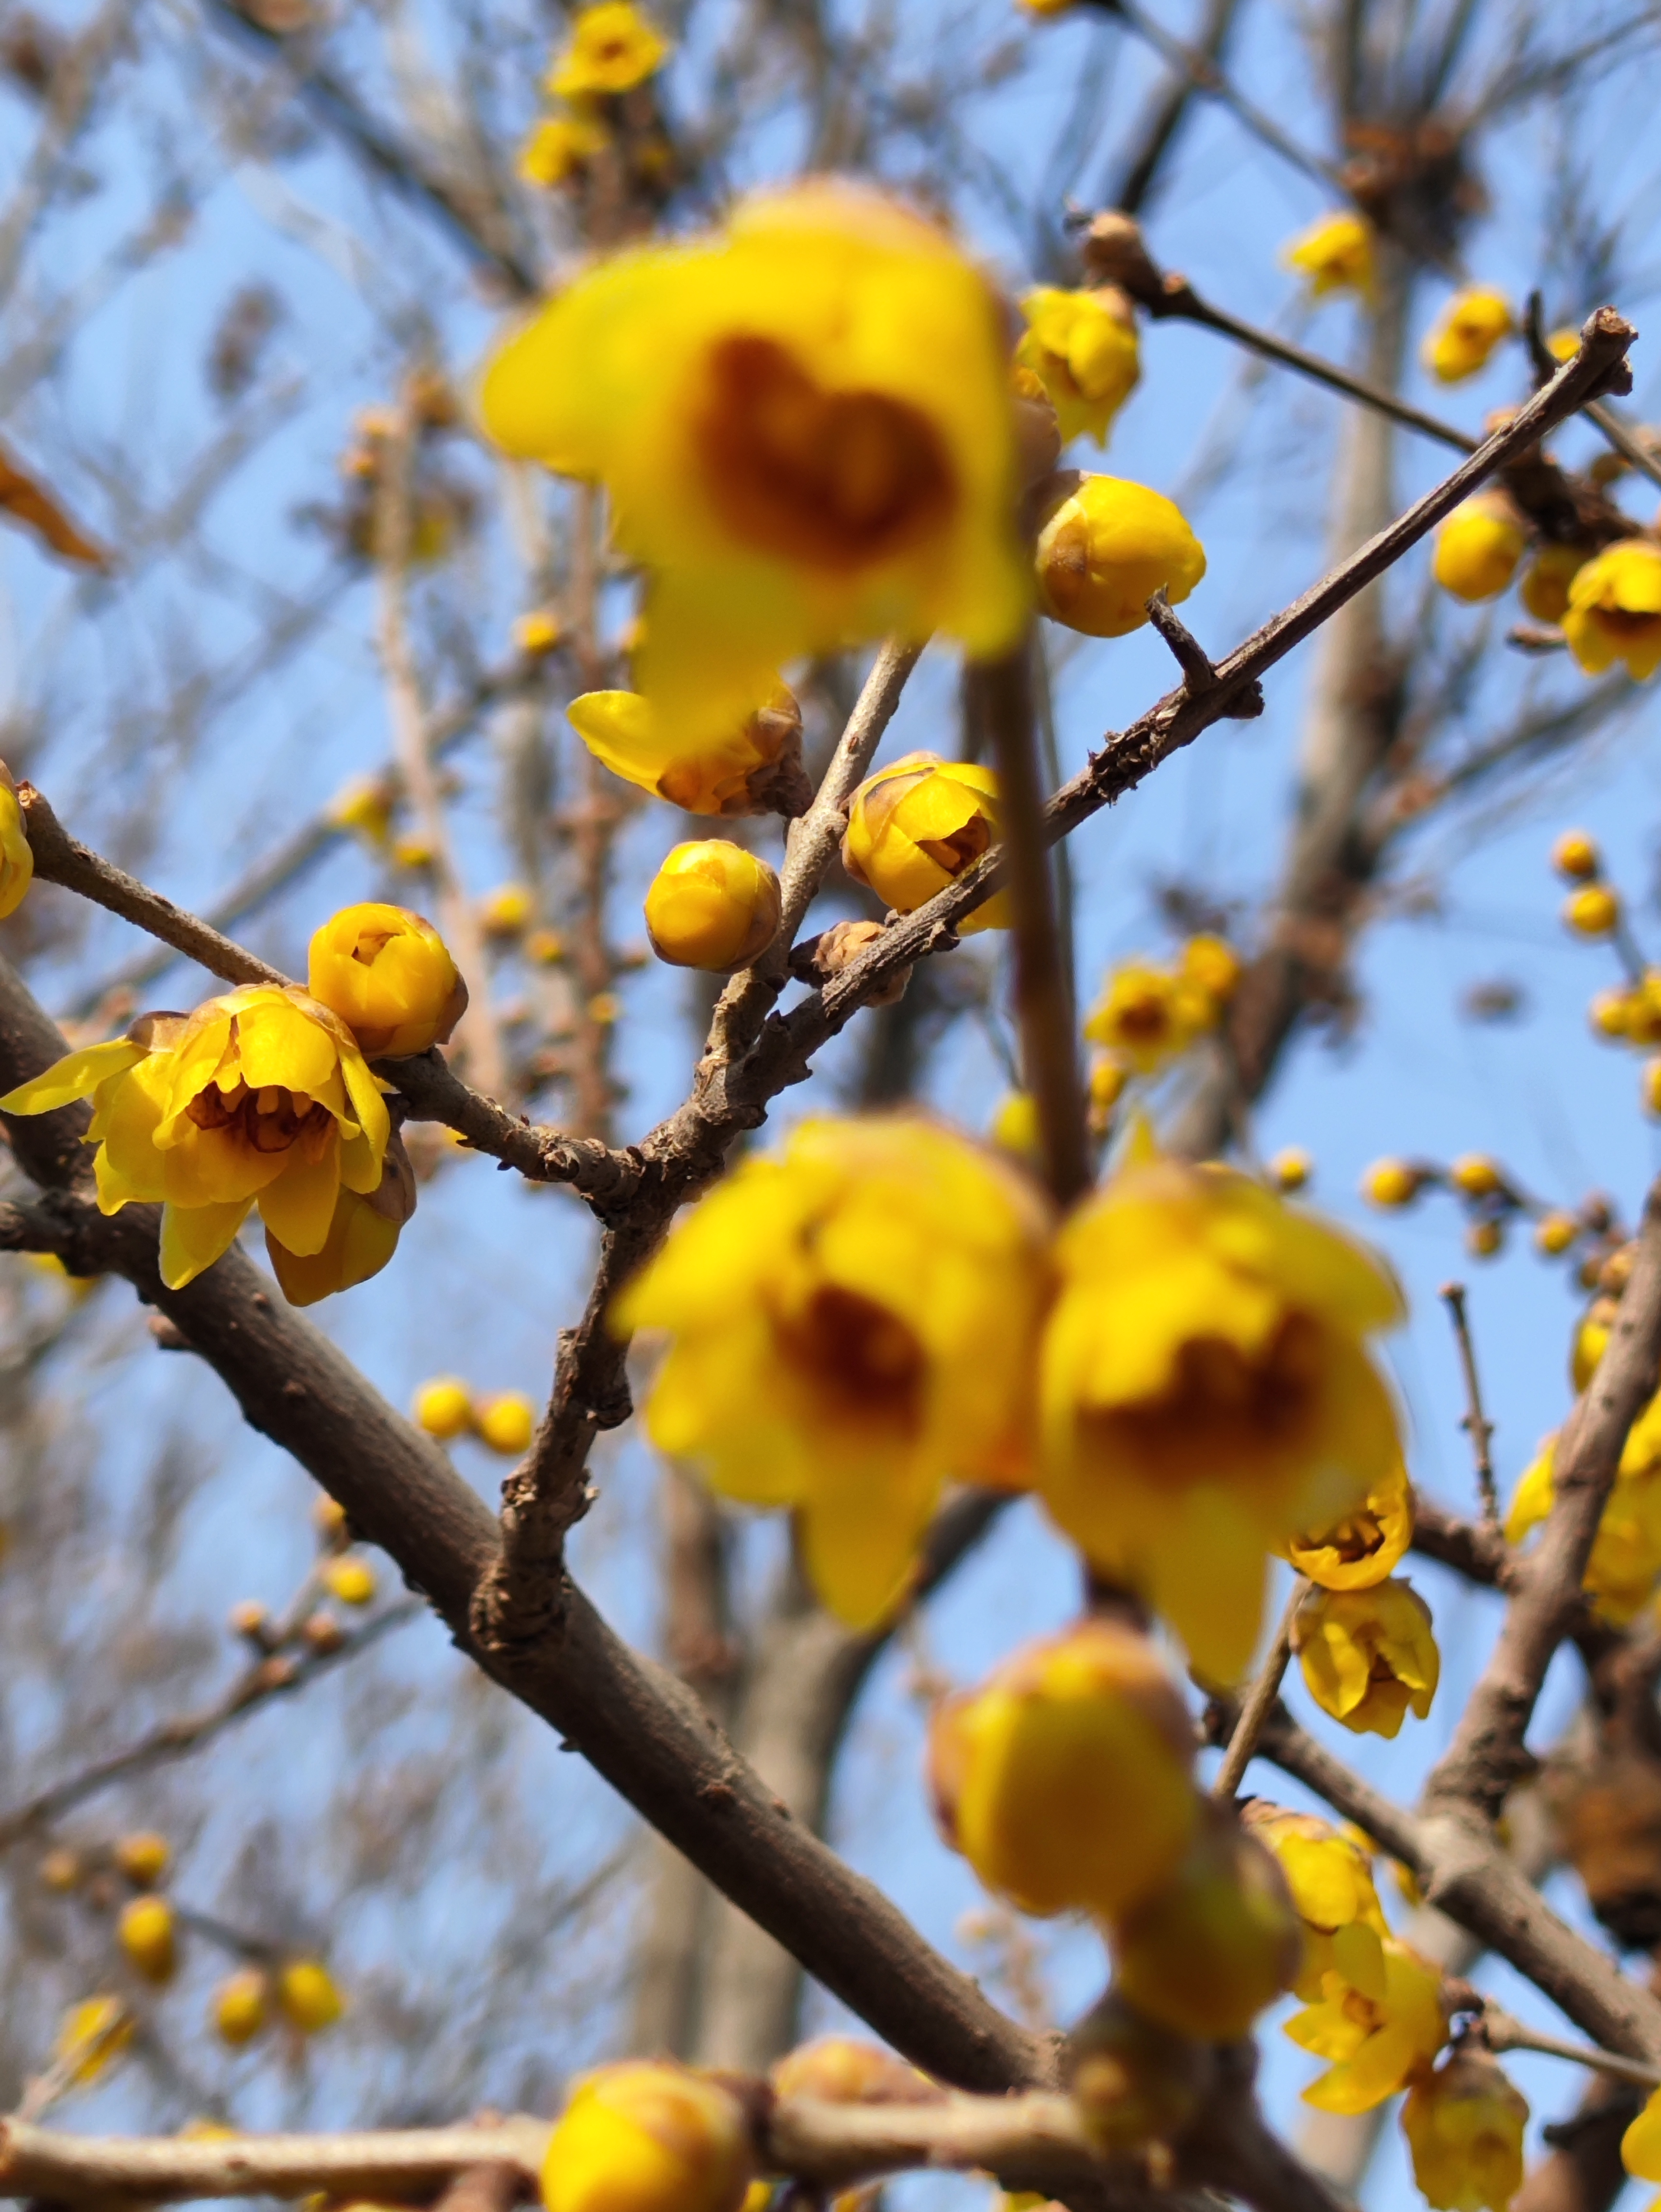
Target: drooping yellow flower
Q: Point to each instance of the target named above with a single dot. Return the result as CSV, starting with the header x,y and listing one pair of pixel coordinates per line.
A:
x,y
1066,1780
362,1236
259,1098
1472,324
93,2036
915,827
307,1996
852,1321
712,905
1082,346
16,858
747,769
1544,590
1376,2046
1206,1391
242,2006
559,149
1148,1015
388,975
146,1932
1368,1655
647,2136
1478,548
1626,1554
1335,255
1104,547
1364,1545
804,425
1464,2125
1204,1955
611,49
1330,1879
1614,609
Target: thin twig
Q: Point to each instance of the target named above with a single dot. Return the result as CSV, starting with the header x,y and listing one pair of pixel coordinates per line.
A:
x,y
1259,1701
1195,661
1474,1423
1500,2033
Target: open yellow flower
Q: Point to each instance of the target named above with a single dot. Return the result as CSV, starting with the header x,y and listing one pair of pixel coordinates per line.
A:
x,y
1148,1015
1626,1554
1104,547
1330,1879
647,2135
1082,347
1464,2126
753,767
362,1236
388,975
612,48
1335,255
804,425
1368,1655
914,828
261,1097
853,1321
1614,609
1376,2046
1478,548
1364,1547
558,146
1206,1391
16,858
1472,324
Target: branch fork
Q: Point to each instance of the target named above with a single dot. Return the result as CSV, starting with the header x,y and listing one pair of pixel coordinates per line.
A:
x,y
1199,672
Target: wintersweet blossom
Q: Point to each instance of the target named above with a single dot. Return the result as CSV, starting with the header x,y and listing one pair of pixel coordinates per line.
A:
x,y
1464,2125
712,905
1104,547
749,768
611,49
1082,346
914,826
1368,1656
388,975
1472,324
16,858
647,2136
1206,1953
1614,611
1334,253
1330,1879
1364,1547
1374,2045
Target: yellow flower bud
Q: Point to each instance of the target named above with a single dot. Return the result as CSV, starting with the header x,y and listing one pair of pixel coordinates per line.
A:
x,y
1614,609
839,2069
365,805
1544,590
1610,1012
611,49
1375,2043
242,2006
1212,965
1368,1655
538,632
1640,2146
604,1008
712,905
1291,1169
1108,1077
444,1408
306,1996
545,946
1015,1125
647,2137
1149,1016
1391,1183
1083,347
1650,1086
1478,548
1104,547
93,2036
1593,911
351,1581
145,1932
751,767
505,1422
1330,1876
1473,323
1208,1952
1554,1233
915,827
1484,1239
1135,2083
16,858
1464,2126
388,974
143,1857
413,852
1364,1548
1563,344
1335,255
60,1869
1066,1780
1476,1176
505,911
329,1518
559,149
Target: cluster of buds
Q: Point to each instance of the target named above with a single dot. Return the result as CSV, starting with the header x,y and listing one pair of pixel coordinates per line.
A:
x,y
447,1409
605,117
1629,1013
133,1866
1492,1198
300,1993
442,509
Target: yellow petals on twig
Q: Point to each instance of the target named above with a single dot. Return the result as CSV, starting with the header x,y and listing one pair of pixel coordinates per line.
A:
x,y
1335,254
1149,1016
1478,548
1215,1944
1082,347
1614,609
611,49
1374,2045
1330,1879
753,767
647,2136
1472,324
1364,1547
1626,1554
915,826
1368,1656
559,149
1464,2125
388,975
16,860
1104,547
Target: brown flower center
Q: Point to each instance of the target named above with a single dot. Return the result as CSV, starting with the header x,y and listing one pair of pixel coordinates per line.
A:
x,y
371,944
838,479
1220,1399
954,854
1353,1540
1621,622
269,1120
858,1351
1145,1020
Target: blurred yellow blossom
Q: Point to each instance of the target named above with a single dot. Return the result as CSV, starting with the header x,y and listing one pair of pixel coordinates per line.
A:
x,y
1368,1655
1614,609
745,769
1391,1183
1082,346
505,911
306,1996
1375,2046
1334,253
914,826
1219,1941
146,1933
1593,911
143,1857
1148,1015
350,1580
1547,580
557,147
444,1408
93,2036
1470,326
1575,854
505,1422
1291,1169
1015,1126
1626,1553
611,49
647,2135
1464,2126
1104,547
242,2006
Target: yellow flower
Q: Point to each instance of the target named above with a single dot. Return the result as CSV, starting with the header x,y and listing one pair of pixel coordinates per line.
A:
x,y
1082,347
1473,323
1015,1126
1376,2046
1212,965
556,150
1066,1780
712,905
840,2070
1335,255
306,1996
1108,1077
647,2136
1205,1392
505,911
1626,1553
612,48
351,1581
915,826
1544,590
1148,1015
259,1098
1368,1655
1593,911
1464,2126
804,425
242,2006
1555,1233
1291,1169
1364,1547
16,858
362,1236
388,974
1206,1953
93,2036
1614,609
1575,854
145,1932
1478,548
506,1423
538,632
1390,1183
1640,2146
143,1857
1476,1176
1104,547
1330,1879
852,1321
745,769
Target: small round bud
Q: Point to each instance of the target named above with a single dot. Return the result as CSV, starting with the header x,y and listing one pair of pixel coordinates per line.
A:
x,y
1554,1233
250,1618
444,1408
1472,324
1391,1183
1478,548
712,905
388,975
329,1519
1291,1169
1544,590
1015,1125
1104,547
1484,1239
537,633
321,1633
546,947
60,1869
647,2137
91,2037
1211,963
145,1932
143,1857
242,2006
507,1423
1610,1012
1464,2124
505,911
1108,1078
1615,1271
306,1996
364,806
839,2069
1476,1176
1593,911
352,1581
1221,1941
